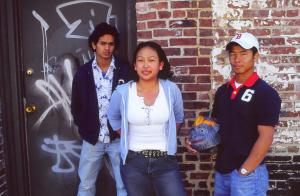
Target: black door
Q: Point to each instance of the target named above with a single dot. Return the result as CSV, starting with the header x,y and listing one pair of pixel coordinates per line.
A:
x,y
54,44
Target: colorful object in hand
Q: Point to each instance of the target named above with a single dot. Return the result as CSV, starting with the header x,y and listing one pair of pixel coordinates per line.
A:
x,y
204,133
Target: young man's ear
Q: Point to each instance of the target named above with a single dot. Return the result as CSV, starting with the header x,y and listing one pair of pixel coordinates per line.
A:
x,y
94,46
256,57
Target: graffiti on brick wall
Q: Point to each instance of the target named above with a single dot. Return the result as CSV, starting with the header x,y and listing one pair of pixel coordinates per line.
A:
x,y
57,92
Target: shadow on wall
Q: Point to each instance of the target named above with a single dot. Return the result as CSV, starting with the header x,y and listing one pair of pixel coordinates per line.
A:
x,y
294,187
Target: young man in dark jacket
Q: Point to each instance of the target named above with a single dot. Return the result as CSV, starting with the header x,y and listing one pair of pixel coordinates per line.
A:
x,y
92,87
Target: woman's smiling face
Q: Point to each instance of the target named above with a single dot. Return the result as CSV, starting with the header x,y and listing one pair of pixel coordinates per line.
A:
x,y
147,64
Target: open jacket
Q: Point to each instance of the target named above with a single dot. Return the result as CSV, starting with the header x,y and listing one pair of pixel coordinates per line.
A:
x,y
84,104
117,114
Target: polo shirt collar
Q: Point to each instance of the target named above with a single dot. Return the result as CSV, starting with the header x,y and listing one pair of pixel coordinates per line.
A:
x,y
248,83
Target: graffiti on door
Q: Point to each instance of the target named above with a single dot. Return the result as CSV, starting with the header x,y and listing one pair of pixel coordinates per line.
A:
x,y
58,71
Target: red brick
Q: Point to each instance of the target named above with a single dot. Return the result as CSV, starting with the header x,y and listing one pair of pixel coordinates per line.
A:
x,y
189,192
180,4
189,114
200,70
199,175
182,61
292,13
285,31
186,167
148,16
164,14
190,32
156,24
144,34
293,149
204,61
195,105
203,79
141,26
192,13
271,3
184,79
187,184
162,43
205,51
205,22
294,40
278,13
183,42
291,22
260,32
206,166
197,87
203,185
158,6
283,50
271,41
189,157
204,4
291,59
206,157
189,96
190,51
172,51
256,13
166,33
206,14
179,14
206,42
205,32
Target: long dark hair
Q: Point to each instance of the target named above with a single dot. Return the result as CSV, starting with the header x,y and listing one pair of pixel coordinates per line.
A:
x,y
165,73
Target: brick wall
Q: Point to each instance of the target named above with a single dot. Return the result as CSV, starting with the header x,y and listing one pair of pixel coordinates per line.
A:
x,y
3,187
193,34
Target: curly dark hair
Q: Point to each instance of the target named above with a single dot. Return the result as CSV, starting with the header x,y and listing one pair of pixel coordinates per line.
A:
x,y
165,73
103,29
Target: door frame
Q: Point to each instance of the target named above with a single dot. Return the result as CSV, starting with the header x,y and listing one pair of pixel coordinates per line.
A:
x,y
12,92
12,104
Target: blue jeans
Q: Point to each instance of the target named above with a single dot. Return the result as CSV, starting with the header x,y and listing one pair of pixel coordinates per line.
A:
x,y
234,184
91,162
149,176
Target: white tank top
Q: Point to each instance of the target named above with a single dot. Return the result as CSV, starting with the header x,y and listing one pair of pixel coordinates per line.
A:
x,y
147,123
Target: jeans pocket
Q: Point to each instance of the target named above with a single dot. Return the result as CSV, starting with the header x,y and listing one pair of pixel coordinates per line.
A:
x,y
130,156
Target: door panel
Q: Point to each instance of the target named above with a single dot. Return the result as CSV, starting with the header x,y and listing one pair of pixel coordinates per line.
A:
x,y
54,37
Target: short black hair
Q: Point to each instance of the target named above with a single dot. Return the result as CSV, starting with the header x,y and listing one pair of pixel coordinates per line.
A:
x,y
231,44
103,29
165,73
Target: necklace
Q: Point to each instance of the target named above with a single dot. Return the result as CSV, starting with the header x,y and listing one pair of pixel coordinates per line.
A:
x,y
149,95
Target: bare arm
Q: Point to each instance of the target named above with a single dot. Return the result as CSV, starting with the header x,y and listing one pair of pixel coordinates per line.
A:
x,y
260,148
